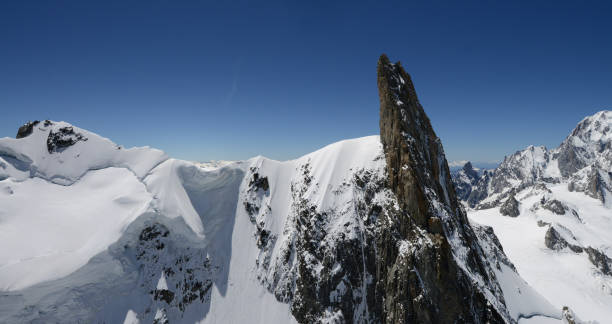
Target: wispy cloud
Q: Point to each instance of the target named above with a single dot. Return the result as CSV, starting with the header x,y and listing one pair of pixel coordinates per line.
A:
x,y
234,87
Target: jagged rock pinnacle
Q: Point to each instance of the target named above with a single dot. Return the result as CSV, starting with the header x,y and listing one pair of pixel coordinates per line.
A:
x,y
411,143
418,174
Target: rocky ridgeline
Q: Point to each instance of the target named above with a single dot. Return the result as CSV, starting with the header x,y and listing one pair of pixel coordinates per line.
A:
x,y
583,161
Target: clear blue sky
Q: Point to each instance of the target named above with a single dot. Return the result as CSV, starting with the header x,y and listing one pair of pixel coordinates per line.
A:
x,y
231,80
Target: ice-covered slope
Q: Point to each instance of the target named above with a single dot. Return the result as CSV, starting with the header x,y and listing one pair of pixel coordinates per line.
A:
x,y
265,231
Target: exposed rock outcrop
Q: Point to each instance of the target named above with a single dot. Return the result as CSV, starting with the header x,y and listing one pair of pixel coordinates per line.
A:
x,y
62,139
555,206
600,260
567,316
555,241
26,129
510,207
407,216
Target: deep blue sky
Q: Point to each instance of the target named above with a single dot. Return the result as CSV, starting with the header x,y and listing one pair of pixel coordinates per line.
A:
x,y
231,80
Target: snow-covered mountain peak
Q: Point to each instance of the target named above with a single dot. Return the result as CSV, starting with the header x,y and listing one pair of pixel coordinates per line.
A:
x,y
590,143
595,128
528,162
583,160
61,153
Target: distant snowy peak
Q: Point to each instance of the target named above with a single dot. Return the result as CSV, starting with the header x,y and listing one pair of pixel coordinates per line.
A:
x,y
584,160
61,153
526,165
590,143
594,129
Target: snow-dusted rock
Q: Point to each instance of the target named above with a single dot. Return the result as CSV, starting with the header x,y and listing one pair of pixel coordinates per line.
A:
x,y
510,207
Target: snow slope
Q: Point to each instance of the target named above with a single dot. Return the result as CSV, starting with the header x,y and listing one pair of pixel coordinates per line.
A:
x,y
60,209
565,278
50,230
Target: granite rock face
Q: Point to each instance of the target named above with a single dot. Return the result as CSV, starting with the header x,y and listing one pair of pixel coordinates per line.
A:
x,y
425,283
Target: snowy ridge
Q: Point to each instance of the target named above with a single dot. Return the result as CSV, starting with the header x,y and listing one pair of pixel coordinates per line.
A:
x,y
31,156
166,240
590,142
